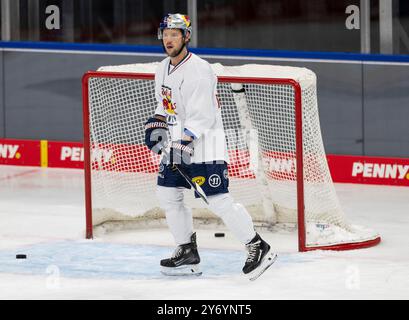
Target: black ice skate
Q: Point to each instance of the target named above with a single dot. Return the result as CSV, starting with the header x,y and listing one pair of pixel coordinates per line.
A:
x,y
259,258
185,260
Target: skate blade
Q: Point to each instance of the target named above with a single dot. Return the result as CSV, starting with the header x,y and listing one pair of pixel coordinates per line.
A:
x,y
266,263
186,270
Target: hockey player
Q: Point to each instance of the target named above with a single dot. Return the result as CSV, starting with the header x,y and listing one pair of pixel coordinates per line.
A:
x,y
188,123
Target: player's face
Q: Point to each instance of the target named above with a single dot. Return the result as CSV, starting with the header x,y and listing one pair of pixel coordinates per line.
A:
x,y
172,41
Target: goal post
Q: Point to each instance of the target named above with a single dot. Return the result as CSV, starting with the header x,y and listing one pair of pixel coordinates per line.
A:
x,y
277,169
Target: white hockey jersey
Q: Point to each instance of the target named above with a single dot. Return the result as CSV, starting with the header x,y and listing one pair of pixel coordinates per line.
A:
x,y
187,97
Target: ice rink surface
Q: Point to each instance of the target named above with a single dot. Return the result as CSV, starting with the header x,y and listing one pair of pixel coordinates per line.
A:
x,y
42,215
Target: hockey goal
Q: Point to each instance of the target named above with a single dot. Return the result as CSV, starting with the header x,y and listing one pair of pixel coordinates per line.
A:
x,y
277,169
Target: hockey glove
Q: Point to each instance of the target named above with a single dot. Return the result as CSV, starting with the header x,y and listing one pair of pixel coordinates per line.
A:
x,y
156,134
181,153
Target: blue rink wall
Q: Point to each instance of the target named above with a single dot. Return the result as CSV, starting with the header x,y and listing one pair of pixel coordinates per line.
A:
x,y
363,99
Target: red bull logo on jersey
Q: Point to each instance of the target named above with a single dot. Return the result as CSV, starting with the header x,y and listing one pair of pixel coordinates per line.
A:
x,y
168,105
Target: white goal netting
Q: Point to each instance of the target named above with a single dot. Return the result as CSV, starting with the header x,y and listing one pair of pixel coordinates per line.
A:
x,y
259,116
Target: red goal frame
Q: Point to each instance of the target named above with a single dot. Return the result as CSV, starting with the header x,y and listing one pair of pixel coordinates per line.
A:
x,y
299,151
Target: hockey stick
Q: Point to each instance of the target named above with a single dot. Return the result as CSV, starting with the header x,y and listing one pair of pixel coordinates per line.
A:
x,y
188,179
195,186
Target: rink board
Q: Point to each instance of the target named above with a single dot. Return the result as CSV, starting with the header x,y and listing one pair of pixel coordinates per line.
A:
x,y
60,154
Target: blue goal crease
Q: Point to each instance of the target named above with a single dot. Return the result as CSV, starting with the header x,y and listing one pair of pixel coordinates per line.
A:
x,y
102,260
111,261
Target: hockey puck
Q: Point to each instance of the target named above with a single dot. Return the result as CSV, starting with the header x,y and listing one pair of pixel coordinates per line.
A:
x,y
21,256
219,234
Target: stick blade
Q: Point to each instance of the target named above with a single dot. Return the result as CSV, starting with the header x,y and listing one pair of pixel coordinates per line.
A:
x,y
201,193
